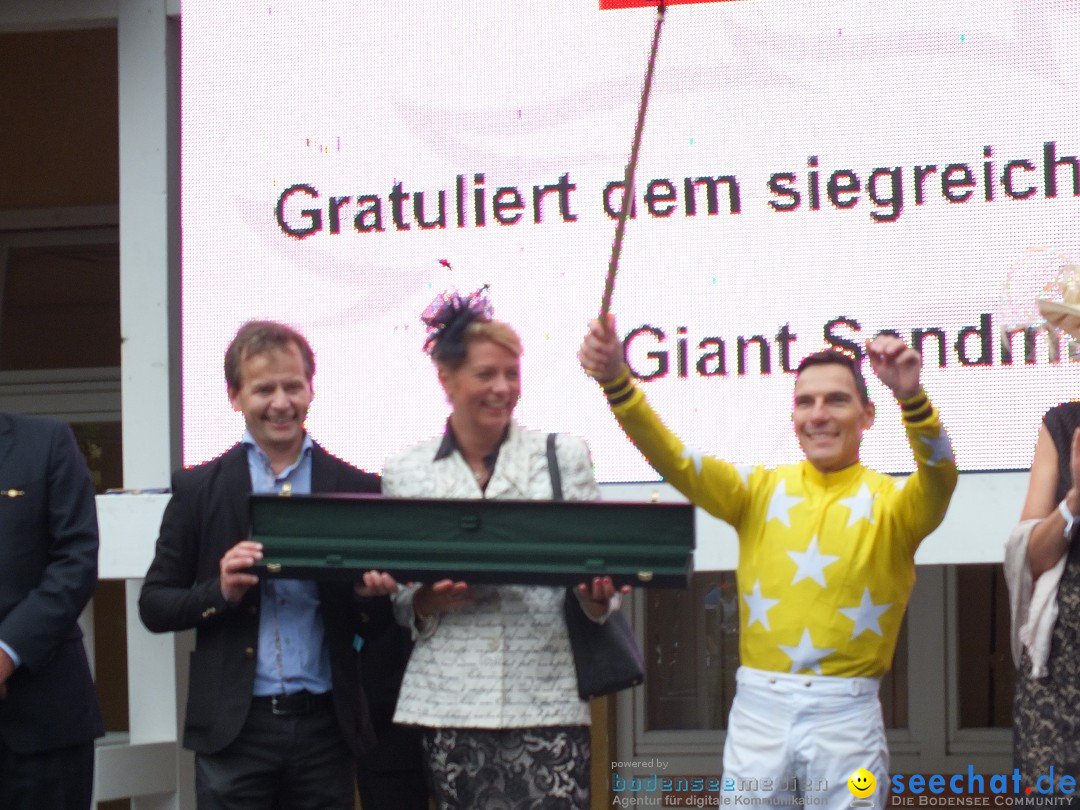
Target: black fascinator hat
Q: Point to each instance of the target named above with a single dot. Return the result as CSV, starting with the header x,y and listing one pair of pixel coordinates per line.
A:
x,y
447,318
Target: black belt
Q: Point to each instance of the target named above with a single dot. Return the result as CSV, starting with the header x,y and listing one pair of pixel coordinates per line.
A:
x,y
298,703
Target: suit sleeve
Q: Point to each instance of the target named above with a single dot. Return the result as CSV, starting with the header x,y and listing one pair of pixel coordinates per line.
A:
x,y
45,617
172,598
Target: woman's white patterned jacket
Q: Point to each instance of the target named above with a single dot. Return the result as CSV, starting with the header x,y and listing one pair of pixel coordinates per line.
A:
x,y
503,661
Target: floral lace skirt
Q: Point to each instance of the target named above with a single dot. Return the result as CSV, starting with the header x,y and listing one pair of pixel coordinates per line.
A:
x,y
1046,713
544,768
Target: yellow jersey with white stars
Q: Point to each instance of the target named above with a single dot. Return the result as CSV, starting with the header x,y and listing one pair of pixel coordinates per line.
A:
x,y
826,560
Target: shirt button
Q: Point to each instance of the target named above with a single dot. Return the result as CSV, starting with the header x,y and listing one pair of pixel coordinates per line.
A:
x,y
772,680
807,684
249,652
494,644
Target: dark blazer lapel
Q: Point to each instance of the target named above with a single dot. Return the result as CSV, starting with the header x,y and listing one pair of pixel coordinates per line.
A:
x,y
7,436
236,485
323,472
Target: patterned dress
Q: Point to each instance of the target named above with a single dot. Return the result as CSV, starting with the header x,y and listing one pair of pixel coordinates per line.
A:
x,y
1046,719
492,685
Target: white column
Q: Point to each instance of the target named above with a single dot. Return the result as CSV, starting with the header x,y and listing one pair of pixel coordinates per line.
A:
x,y
149,241
152,768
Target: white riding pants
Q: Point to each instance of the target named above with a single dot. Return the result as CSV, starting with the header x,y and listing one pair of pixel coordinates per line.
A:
x,y
795,740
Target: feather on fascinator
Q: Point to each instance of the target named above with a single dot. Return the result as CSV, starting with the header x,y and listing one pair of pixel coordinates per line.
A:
x,y
447,318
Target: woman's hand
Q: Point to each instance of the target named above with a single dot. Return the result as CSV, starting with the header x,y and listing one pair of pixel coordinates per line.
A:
x,y
375,583
595,597
442,597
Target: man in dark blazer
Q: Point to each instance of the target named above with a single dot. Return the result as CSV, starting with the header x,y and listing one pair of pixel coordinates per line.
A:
x,y
49,713
390,776
275,714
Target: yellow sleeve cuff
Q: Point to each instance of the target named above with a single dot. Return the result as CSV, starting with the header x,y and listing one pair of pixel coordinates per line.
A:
x,y
916,408
621,388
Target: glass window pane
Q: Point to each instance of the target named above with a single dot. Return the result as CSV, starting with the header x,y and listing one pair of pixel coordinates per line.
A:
x,y
985,673
691,652
61,307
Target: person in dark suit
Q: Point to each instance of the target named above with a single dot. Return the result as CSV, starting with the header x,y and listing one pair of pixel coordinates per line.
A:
x,y
275,714
390,776
49,712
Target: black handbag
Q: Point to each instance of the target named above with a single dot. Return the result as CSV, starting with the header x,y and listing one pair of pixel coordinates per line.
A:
x,y
607,657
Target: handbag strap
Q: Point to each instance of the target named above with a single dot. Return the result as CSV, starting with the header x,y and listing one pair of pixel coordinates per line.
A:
x,y
553,469
557,495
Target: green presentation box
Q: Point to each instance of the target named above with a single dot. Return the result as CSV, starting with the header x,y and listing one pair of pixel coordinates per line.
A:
x,y
481,541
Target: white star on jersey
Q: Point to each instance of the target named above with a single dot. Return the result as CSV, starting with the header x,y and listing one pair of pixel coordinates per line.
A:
x,y
866,616
861,505
941,446
806,655
811,564
693,455
780,505
744,471
759,606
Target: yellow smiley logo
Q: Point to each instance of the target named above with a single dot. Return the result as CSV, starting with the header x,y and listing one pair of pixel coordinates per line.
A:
x,y
862,783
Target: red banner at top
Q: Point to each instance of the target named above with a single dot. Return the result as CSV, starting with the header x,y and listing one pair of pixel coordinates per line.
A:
x,y
606,5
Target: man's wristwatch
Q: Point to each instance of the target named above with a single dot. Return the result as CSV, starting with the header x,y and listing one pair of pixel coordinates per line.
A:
x,y
1070,518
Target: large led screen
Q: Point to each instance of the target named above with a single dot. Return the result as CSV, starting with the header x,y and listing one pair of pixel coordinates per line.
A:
x,y
810,175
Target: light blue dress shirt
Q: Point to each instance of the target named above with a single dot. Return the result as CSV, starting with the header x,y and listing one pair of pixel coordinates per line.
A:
x,y
14,656
292,639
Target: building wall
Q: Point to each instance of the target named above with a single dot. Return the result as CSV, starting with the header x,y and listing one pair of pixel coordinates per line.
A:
x,y
59,145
